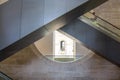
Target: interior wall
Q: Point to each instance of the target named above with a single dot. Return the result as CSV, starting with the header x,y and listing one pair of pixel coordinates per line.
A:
x,y
81,50
45,45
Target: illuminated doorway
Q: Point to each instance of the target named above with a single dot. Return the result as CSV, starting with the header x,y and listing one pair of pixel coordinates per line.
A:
x,y
63,47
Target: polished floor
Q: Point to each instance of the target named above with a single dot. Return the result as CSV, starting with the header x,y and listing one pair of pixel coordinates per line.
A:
x,y
27,65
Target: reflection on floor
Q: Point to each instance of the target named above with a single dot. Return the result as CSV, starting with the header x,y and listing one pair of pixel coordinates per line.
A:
x,y
25,65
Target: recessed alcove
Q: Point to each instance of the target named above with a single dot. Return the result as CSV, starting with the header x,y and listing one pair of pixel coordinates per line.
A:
x,y
61,47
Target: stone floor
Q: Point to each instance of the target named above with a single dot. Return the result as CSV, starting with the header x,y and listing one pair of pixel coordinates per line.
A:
x,y
26,65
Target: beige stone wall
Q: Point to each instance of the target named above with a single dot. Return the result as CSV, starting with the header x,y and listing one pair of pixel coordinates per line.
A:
x,y
110,11
45,45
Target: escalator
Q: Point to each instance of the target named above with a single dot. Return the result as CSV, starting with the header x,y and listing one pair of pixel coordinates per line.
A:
x,y
16,45
4,77
102,25
97,34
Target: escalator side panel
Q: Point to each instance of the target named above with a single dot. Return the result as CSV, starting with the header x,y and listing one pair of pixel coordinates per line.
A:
x,y
95,40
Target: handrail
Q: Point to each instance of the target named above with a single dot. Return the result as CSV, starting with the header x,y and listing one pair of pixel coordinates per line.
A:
x,y
104,24
110,31
105,20
3,75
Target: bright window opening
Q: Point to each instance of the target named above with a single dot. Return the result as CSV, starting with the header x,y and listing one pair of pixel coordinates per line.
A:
x,y
63,46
